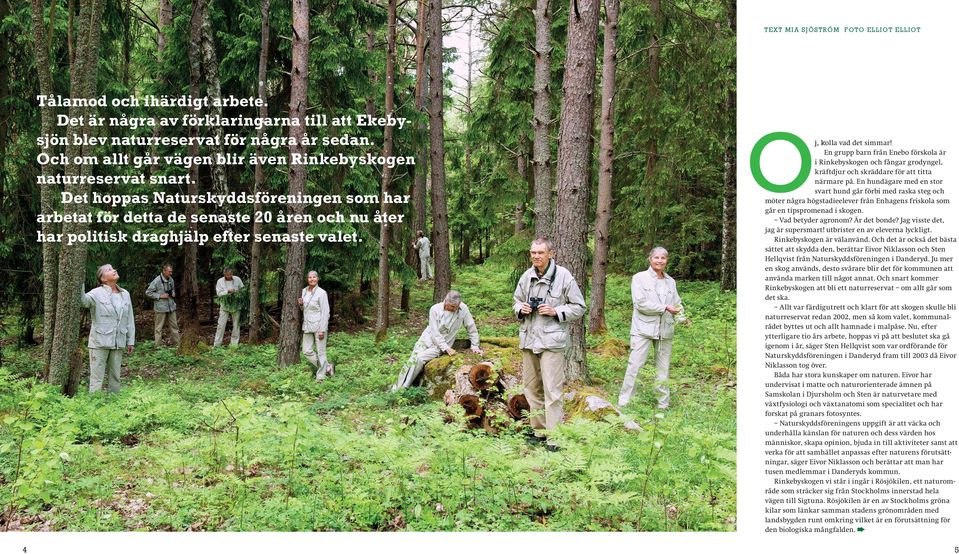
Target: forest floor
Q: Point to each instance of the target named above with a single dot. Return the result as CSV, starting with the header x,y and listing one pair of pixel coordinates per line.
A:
x,y
224,440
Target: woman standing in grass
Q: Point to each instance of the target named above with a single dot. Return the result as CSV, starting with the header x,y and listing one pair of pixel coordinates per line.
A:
x,y
111,328
656,308
316,318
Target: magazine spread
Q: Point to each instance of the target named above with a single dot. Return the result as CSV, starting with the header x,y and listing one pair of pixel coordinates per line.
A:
x,y
420,274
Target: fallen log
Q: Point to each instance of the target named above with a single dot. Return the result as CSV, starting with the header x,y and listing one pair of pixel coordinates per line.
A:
x,y
473,409
464,394
489,387
483,375
496,417
517,406
510,382
439,373
516,403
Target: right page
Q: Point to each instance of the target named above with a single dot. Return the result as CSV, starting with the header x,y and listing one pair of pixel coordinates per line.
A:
x,y
847,324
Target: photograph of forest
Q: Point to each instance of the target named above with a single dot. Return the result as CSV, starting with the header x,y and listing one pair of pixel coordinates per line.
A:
x,y
368,265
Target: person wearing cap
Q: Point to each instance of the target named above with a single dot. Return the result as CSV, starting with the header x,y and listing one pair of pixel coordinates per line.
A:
x,y
316,318
656,309
546,301
445,320
226,286
112,328
422,245
163,292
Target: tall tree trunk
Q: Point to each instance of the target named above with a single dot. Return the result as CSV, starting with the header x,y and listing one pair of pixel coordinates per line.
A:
x,y
189,307
288,351
422,150
258,177
573,161
5,111
383,283
441,236
127,44
71,9
604,200
468,229
211,68
73,258
542,76
370,47
164,21
652,148
728,268
410,259
48,192
522,169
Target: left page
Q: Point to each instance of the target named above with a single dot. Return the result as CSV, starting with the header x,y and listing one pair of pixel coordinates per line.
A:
x,y
368,266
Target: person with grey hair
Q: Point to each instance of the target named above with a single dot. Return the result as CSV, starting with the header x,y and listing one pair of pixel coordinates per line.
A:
x,y
112,328
422,245
445,320
163,292
546,301
315,305
656,309
225,286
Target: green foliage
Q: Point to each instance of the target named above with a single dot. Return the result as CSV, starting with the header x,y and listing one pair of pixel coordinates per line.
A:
x,y
224,440
236,301
679,203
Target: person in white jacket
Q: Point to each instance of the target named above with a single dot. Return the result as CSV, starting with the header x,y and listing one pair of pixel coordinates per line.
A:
x,y
226,285
446,319
316,318
112,328
547,300
422,246
656,308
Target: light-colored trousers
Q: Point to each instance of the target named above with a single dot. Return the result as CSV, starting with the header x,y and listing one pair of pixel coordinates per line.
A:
x,y
314,348
101,360
639,350
168,319
426,272
543,379
221,328
422,353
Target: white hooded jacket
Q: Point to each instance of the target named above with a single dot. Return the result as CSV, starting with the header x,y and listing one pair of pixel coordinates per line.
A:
x,y
316,310
650,318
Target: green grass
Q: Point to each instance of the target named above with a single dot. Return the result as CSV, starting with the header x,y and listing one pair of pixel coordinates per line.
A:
x,y
227,441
